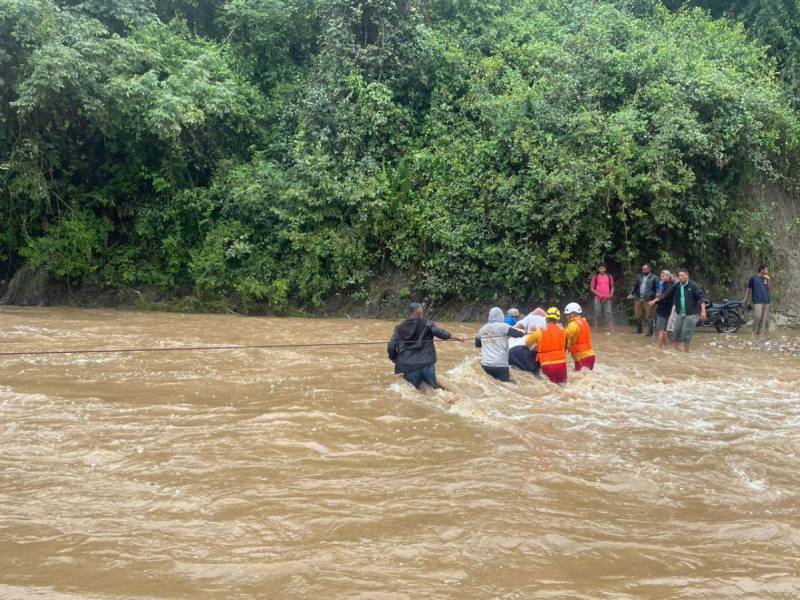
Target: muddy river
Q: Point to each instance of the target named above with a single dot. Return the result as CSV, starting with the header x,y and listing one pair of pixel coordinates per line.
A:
x,y
313,472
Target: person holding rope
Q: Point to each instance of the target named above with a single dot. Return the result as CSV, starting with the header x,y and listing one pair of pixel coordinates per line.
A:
x,y
412,350
492,339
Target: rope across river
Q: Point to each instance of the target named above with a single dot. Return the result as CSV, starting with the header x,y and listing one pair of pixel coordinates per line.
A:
x,y
210,348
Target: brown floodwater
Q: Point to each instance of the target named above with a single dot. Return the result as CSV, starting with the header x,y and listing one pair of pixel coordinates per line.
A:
x,y
316,473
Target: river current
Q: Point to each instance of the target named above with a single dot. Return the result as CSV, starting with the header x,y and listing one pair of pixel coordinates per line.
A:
x,y
314,472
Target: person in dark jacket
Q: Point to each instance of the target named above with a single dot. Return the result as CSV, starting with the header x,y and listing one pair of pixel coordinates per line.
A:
x,y
644,290
687,298
663,309
412,350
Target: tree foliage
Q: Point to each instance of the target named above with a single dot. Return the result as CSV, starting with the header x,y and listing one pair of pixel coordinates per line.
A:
x,y
281,152
775,23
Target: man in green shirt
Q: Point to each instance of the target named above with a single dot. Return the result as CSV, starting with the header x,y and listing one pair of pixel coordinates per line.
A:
x,y
687,297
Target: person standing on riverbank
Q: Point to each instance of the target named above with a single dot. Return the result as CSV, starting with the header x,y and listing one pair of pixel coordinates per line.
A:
x,y
412,350
602,288
551,347
492,339
643,291
671,321
579,337
664,310
758,288
687,298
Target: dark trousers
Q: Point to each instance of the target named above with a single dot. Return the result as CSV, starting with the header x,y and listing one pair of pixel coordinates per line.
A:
x,y
427,375
523,358
499,373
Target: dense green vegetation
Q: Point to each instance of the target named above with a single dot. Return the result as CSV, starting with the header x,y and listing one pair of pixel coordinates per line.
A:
x,y
281,152
775,23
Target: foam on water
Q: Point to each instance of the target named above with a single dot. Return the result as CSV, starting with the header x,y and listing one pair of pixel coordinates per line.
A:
x,y
318,473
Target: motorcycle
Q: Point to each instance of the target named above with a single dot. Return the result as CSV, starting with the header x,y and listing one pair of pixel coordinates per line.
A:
x,y
725,316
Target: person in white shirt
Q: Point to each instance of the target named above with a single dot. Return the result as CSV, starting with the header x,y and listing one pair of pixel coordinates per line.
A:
x,y
519,355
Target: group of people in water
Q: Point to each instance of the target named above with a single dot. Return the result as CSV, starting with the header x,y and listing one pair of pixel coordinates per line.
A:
x,y
670,305
536,344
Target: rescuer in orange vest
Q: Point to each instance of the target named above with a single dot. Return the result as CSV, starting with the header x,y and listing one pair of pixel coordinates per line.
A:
x,y
551,342
579,337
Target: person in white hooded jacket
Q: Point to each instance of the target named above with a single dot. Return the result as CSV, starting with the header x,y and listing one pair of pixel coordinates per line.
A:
x,y
492,339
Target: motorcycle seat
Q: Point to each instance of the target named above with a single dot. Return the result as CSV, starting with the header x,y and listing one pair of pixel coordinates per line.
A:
x,y
728,304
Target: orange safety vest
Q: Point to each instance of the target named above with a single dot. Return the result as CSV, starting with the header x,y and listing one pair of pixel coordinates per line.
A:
x,y
551,346
584,339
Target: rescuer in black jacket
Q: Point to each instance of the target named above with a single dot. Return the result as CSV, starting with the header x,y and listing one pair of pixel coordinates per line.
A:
x,y
412,349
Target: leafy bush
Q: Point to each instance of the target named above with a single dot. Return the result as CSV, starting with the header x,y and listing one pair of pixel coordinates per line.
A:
x,y
71,248
282,152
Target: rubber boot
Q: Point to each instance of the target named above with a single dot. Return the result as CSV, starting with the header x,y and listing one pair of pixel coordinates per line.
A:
x,y
639,326
650,328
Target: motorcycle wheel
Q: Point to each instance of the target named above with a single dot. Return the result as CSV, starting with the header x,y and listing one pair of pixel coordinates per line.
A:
x,y
729,323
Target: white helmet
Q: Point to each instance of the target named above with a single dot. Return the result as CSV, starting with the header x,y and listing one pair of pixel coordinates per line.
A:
x,y
572,307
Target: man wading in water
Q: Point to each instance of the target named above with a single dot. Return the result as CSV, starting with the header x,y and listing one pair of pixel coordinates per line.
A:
x,y
687,298
412,350
551,347
579,337
492,339
664,310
